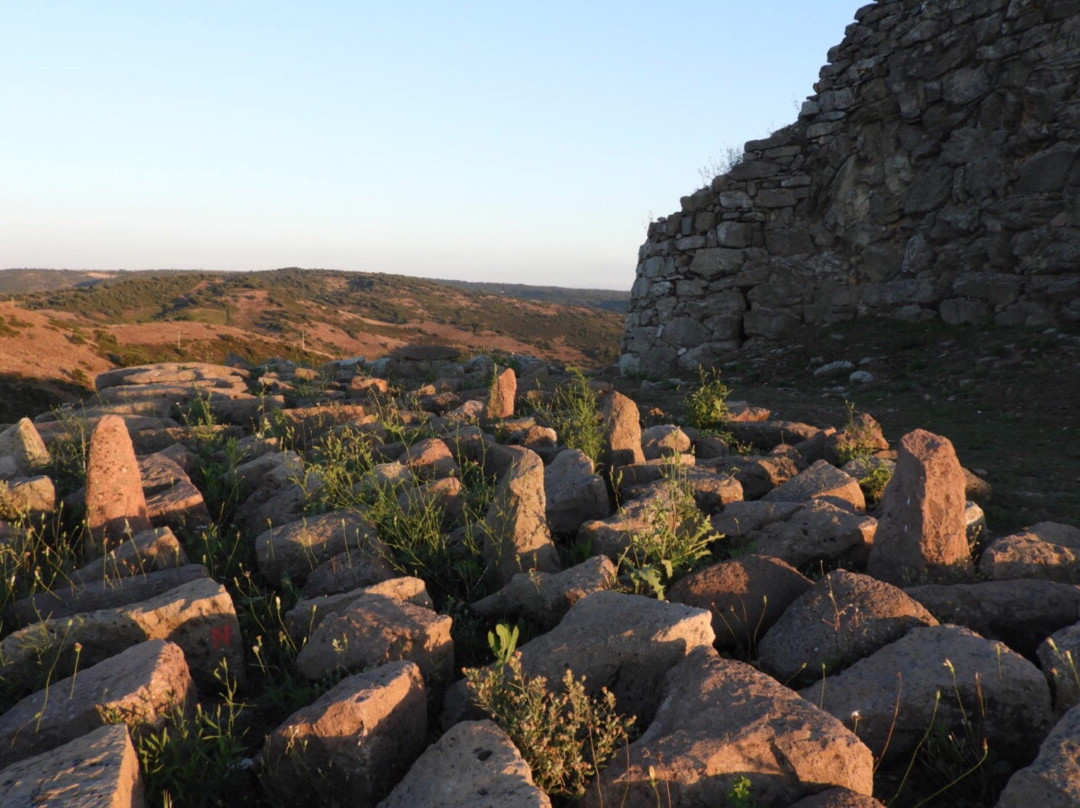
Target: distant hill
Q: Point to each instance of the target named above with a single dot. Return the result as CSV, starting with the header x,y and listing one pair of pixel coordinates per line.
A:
x,y
607,299
74,324
26,281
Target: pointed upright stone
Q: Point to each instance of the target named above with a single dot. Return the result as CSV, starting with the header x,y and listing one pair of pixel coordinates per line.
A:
x,y
115,503
516,535
622,431
500,403
22,451
921,535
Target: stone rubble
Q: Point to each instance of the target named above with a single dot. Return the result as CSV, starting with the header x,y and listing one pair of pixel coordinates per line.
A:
x,y
800,582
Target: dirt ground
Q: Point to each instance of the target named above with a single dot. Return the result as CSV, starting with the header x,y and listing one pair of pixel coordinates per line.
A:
x,y
1009,400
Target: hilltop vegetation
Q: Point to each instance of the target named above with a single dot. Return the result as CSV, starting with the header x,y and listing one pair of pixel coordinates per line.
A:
x,y
63,336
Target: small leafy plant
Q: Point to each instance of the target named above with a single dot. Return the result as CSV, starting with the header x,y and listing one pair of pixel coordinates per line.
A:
x,y
706,405
679,537
574,414
856,437
565,735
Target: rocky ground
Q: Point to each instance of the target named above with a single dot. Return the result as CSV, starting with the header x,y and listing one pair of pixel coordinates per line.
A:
x,y
259,586
1005,397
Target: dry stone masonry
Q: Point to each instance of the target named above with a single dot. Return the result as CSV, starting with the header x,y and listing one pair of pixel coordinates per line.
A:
x,y
935,173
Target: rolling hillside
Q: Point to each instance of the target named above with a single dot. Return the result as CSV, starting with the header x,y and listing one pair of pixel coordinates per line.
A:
x,y
54,339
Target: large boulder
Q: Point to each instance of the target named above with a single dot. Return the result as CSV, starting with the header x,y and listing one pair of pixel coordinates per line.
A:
x,y
757,475
308,612
375,629
818,531
820,481
544,598
574,492
199,616
500,400
430,459
473,765
358,738
1029,555
720,721
115,503
841,619
136,686
625,643
516,536
1053,779
97,769
744,595
1020,613
663,440
90,596
922,536
149,550
295,549
22,451
1059,658
622,431
945,674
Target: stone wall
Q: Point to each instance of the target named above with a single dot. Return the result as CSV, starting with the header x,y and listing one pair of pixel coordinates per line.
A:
x,y
935,173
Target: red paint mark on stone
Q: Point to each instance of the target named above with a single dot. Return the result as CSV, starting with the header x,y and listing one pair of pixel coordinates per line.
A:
x,y
221,636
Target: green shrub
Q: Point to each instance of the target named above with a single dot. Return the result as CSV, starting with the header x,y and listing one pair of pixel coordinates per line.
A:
x,y
706,406
194,760
678,539
565,735
574,414
856,438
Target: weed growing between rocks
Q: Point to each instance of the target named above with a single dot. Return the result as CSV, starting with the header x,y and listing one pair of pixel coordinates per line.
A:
x,y
574,414
1064,669
565,735
857,442
952,757
678,539
706,404
69,450
196,758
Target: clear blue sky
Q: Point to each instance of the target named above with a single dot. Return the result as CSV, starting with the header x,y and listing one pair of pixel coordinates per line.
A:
x,y
506,141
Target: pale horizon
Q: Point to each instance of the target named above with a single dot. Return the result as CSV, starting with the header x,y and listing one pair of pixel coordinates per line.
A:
x,y
523,145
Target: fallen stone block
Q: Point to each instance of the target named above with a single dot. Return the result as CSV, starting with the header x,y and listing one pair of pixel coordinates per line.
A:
x,y
544,598
841,619
150,550
69,598
136,686
922,535
720,721
744,597
1053,778
473,764
356,741
199,616
895,694
97,769
295,549
373,630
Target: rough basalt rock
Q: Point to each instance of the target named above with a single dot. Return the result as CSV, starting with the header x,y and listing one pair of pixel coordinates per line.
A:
x,y
355,741
922,532
98,769
473,764
115,503
721,720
